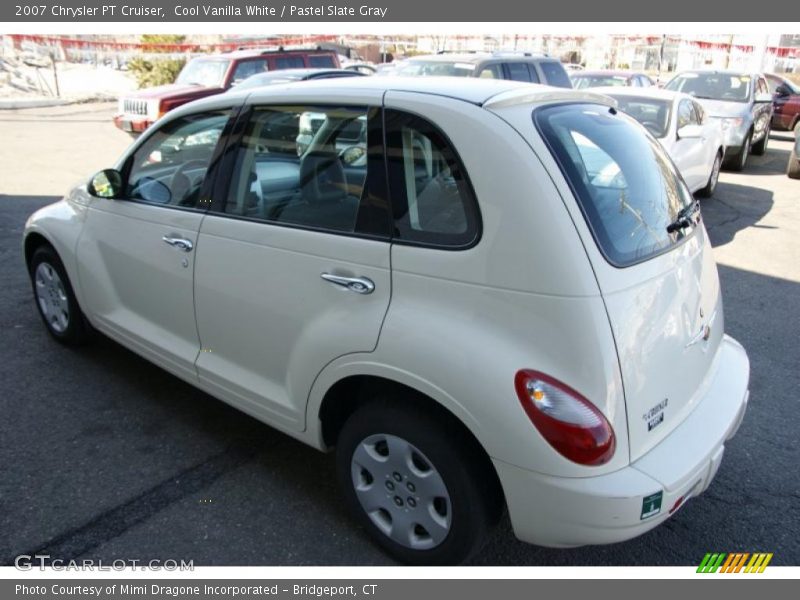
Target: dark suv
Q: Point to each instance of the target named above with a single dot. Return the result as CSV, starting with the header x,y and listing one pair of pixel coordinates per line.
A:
x,y
208,75
519,66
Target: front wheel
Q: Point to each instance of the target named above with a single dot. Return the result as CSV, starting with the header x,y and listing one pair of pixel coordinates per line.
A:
x,y
739,160
713,178
760,147
420,492
55,299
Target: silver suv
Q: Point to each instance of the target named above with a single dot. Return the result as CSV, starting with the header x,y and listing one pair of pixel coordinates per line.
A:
x,y
743,103
518,66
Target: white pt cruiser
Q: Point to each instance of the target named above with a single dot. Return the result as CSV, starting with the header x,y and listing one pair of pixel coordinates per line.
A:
x,y
503,296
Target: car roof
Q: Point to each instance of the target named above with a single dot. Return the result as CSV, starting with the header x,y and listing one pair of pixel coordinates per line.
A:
x,y
642,92
736,72
607,73
477,57
252,52
481,92
301,73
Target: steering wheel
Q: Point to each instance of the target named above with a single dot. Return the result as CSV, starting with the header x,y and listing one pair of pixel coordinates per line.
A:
x,y
181,185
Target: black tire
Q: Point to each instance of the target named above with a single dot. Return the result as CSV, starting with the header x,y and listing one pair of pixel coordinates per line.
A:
x,y
74,329
713,178
472,502
793,168
760,147
738,161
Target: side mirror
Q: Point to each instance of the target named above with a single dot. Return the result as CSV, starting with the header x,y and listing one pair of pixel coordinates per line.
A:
x,y
106,184
352,155
762,98
690,131
782,90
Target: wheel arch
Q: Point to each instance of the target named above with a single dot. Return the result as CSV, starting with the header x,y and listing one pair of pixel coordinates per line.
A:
x,y
349,393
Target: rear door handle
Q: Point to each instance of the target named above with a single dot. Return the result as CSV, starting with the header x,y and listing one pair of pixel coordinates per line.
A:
x,y
180,243
359,285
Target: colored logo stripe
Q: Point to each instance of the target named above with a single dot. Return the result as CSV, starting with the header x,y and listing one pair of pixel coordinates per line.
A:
x,y
733,563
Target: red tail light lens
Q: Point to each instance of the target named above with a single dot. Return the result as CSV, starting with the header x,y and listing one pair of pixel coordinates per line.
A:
x,y
568,421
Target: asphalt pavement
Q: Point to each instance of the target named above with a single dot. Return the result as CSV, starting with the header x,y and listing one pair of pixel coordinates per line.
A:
x,y
104,455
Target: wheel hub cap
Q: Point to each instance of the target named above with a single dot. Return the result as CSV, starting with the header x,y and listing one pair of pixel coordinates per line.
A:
x,y
52,297
401,491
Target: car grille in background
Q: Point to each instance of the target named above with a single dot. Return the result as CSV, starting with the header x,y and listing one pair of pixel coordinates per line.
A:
x,y
134,107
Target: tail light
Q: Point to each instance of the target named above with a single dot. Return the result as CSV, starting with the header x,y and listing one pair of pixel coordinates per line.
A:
x,y
569,422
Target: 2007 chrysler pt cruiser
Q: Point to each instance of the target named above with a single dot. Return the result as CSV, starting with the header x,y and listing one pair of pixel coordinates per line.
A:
x,y
483,294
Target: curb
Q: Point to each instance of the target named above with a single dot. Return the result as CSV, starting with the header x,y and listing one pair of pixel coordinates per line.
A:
x,y
21,103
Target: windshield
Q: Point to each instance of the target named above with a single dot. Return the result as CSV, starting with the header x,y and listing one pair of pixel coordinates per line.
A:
x,y
650,112
628,189
208,73
589,81
730,87
435,68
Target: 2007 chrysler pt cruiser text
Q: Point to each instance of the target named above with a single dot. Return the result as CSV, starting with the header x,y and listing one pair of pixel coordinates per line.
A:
x,y
483,294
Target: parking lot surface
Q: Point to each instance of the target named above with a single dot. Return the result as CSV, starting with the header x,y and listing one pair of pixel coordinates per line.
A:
x,y
106,456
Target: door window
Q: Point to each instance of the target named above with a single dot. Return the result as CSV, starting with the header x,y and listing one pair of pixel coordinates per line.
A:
x,y
289,62
518,71
170,167
432,199
494,71
321,61
302,166
249,67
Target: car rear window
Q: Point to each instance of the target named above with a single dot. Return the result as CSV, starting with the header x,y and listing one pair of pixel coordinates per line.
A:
x,y
627,188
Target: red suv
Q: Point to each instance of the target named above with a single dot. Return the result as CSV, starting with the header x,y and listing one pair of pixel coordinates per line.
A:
x,y
209,75
785,102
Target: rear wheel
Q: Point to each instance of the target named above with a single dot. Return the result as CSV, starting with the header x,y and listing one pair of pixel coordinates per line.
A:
x,y
713,178
55,299
760,147
793,168
420,492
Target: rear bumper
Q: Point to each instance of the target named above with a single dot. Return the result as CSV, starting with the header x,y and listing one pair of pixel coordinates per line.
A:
x,y
132,123
564,512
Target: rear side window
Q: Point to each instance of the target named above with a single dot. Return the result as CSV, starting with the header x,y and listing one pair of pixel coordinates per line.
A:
x,y
321,62
432,200
249,67
518,71
289,62
555,74
626,186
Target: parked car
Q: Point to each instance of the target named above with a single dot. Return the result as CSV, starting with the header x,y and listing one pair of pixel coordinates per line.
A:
x,y
740,100
292,75
210,75
594,79
785,102
693,140
482,313
793,166
517,66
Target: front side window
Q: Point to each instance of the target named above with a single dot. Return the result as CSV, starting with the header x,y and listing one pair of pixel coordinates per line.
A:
x,y
432,199
626,186
170,167
249,67
204,72
303,166
435,68
494,71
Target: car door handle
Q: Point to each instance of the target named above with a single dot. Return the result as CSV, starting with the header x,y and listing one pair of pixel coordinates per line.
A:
x,y
359,285
180,243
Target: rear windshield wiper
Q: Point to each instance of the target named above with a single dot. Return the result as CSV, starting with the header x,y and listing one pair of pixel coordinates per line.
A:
x,y
684,218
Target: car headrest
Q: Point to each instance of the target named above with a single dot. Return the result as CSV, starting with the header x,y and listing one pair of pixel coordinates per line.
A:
x,y
322,177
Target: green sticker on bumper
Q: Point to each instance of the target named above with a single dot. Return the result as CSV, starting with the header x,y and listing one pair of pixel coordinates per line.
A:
x,y
651,505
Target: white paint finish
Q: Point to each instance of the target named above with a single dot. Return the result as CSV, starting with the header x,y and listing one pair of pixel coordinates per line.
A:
x,y
134,284
267,320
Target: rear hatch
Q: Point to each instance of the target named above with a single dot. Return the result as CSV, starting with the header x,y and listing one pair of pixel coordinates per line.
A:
x,y
652,259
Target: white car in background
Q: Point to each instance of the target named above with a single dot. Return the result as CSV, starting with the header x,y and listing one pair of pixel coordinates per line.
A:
x,y
693,140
